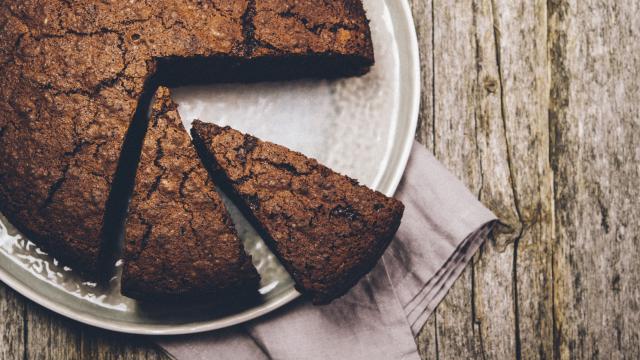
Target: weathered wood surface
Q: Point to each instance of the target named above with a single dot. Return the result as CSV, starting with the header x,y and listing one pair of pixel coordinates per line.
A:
x,y
28,331
490,127
535,105
595,128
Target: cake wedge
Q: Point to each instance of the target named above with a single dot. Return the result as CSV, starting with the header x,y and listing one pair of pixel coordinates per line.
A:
x,y
326,229
179,240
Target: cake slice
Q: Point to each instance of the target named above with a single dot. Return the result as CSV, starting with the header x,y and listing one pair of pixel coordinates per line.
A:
x,y
179,239
327,230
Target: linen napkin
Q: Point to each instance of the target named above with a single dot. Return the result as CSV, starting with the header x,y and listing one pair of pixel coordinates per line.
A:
x,y
442,227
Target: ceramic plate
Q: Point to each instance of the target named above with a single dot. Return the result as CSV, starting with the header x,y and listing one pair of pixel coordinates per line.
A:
x,y
363,127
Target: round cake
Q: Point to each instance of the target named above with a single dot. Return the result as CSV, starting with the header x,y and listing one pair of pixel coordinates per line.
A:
x,y
76,76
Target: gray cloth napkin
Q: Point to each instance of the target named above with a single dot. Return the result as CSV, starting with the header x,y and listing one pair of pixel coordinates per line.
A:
x,y
442,227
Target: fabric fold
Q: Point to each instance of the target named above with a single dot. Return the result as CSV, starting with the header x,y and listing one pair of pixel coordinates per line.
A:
x,y
443,226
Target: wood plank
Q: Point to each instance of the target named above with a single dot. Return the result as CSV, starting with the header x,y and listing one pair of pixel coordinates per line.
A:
x,y
423,20
102,345
595,120
12,324
49,336
428,344
489,96
493,285
453,123
523,73
466,119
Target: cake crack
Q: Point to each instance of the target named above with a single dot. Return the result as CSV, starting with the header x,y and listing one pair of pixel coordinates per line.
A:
x,y
317,27
248,28
163,170
57,184
55,187
251,42
183,181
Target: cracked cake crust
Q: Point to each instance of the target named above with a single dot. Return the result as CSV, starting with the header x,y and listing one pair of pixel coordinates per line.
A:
x,y
73,74
327,230
179,239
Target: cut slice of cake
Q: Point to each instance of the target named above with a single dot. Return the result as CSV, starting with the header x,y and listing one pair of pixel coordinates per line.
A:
x,y
179,238
327,230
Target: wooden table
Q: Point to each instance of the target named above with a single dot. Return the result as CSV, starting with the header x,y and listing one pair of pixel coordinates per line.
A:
x,y
536,106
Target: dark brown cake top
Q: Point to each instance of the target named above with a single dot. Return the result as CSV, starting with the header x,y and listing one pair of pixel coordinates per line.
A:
x,y
72,73
305,26
179,238
326,228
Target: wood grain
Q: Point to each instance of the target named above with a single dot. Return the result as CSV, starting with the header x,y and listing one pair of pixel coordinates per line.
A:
x,y
567,76
535,106
46,331
473,123
12,324
29,331
595,120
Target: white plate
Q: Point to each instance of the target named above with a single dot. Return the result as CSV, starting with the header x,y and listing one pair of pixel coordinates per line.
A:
x,y
363,127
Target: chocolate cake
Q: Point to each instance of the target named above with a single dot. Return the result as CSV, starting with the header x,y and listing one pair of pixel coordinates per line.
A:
x,y
327,230
74,74
179,240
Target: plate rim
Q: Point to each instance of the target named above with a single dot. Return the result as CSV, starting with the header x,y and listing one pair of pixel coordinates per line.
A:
x,y
190,328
